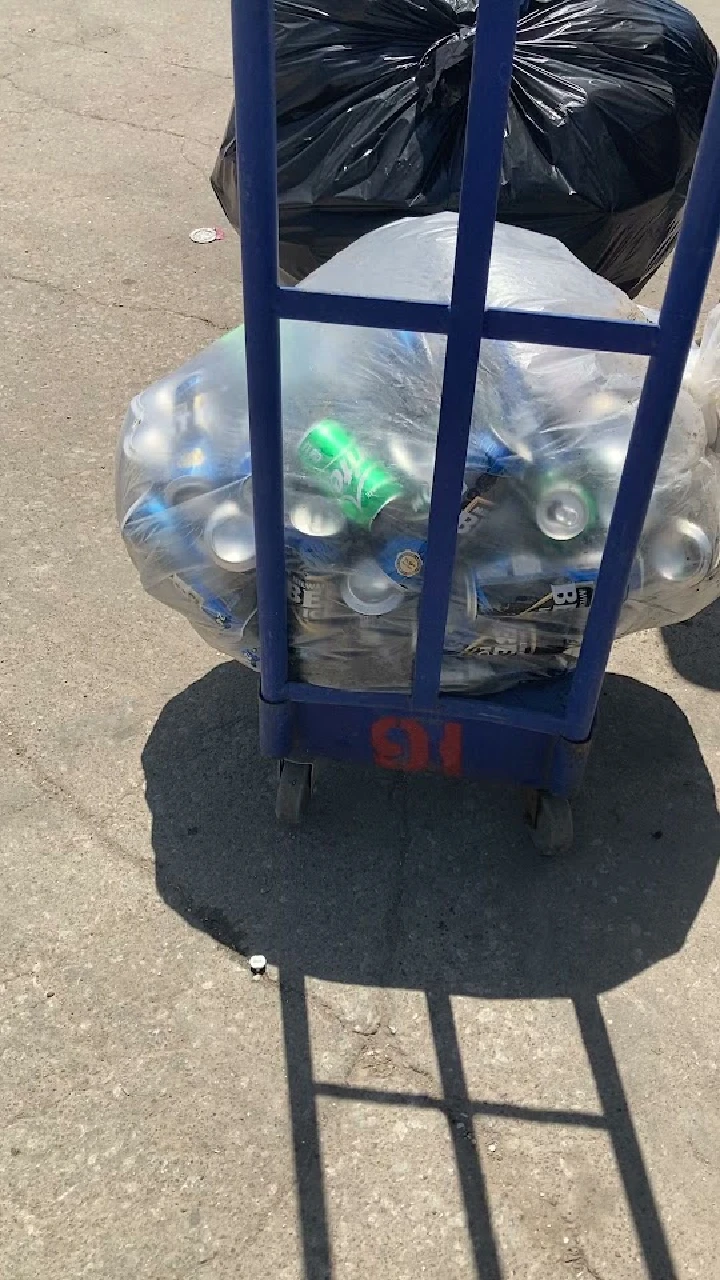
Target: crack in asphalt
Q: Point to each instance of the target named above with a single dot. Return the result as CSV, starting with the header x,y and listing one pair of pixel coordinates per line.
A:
x,y
67,290
85,47
53,105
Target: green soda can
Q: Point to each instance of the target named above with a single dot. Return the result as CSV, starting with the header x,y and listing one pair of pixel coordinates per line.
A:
x,y
329,455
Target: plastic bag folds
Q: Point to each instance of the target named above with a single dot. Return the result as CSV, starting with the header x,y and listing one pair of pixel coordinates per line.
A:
x,y
607,104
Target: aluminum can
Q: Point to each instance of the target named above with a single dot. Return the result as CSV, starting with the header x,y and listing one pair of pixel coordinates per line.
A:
x,y
680,552
193,405
329,454
465,674
316,531
148,443
489,455
402,559
525,584
563,507
514,637
196,470
477,502
229,536
367,589
315,605
152,526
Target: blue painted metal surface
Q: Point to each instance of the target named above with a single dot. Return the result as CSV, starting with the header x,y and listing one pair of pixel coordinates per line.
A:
x,y
487,113
437,742
533,735
254,73
586,332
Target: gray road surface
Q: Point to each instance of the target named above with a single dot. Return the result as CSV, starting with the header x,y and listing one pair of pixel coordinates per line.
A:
x,y
464,1062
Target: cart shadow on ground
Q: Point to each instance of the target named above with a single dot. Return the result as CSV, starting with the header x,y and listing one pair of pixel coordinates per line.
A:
x,y
430,885
693,648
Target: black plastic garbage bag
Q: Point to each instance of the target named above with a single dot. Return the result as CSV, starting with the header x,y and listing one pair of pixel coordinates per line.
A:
x,y
607,104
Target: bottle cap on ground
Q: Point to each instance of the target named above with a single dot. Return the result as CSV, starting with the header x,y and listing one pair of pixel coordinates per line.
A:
x,y
206,235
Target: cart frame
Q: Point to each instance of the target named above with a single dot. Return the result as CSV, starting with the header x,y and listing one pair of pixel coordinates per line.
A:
x,y
536,736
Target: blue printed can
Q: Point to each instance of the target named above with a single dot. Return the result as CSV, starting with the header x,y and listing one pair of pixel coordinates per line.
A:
x,y
477,502
529,585
152,527
151,520
214,607
402,558
507,638
586,567
317,554
525,584
489,455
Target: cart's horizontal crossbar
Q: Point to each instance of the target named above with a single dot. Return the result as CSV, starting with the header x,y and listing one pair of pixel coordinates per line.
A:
x,y
466,1108
448,706
505,743
585,332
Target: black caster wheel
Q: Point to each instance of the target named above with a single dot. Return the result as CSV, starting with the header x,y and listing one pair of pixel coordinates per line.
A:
x,y
293,791
551,824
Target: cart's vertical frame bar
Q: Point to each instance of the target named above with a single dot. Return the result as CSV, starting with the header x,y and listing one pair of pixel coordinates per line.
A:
x,y
691,268
253,44
495,34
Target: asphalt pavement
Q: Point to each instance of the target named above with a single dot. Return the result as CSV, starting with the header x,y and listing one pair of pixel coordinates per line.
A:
x,y
463,1061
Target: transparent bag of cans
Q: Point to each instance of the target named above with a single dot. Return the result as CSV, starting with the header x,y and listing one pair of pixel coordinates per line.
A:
x,y
548,438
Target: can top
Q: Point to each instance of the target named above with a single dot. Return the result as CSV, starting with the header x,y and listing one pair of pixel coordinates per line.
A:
x,y
367,589
184,488
682,552
316,516
564,511
149,444
230,537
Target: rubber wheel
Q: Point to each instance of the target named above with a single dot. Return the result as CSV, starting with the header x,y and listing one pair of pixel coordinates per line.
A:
x,y
293,791
551,824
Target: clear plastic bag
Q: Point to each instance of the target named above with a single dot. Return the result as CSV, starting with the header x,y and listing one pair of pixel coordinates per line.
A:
x,y
702,377
549,433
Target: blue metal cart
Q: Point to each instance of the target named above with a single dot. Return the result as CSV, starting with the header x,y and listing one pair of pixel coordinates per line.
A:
x,y
537,736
